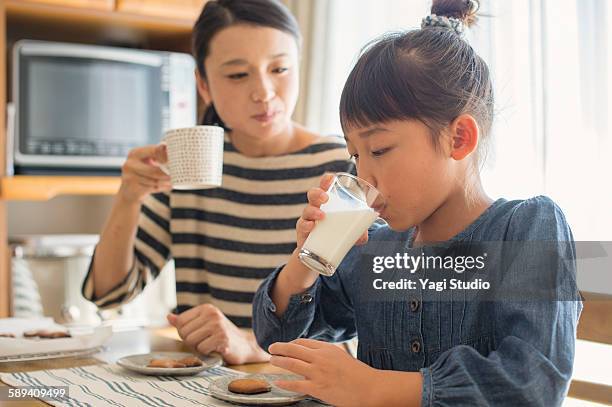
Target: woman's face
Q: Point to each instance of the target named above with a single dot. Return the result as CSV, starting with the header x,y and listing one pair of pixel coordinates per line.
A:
x,y
252,79
400,160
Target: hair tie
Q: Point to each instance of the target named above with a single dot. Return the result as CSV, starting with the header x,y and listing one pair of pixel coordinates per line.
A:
x,y
452,23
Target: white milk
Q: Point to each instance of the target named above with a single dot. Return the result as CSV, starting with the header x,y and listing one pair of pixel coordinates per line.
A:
x,y
333,236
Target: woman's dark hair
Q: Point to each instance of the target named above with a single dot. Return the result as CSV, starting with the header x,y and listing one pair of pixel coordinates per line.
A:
x,y
219,14
431,74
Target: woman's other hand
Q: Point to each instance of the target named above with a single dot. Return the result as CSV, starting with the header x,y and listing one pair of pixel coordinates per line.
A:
x,y
205,329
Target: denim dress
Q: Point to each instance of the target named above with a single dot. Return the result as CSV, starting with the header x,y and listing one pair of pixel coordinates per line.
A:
x,y
512,344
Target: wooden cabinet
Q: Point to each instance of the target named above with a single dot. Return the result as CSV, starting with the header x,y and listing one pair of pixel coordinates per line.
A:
x,y
39,188
150,24
171,9
5,280
88,4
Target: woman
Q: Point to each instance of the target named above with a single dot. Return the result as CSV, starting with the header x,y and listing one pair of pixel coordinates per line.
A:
x,y
224,241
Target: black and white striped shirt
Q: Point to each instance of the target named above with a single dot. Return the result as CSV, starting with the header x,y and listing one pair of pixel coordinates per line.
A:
x,y
225,241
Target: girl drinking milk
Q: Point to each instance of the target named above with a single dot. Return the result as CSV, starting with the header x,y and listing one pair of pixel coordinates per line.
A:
x,y
417,110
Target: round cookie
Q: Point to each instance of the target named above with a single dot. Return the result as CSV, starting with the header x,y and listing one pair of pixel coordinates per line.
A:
x,y
190,361
249,386
165,363
53,334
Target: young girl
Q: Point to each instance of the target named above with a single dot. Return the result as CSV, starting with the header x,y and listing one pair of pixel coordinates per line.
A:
x,y
225,240
416,110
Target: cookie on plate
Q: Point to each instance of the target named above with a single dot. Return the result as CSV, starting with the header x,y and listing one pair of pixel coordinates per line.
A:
x,y
53,334
249,386
44,334
166,363
190,361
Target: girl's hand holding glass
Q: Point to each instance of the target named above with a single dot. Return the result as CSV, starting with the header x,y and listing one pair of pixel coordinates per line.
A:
x,y
312,212
303,276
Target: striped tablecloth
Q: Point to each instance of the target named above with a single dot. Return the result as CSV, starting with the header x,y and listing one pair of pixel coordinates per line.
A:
x,y
111,385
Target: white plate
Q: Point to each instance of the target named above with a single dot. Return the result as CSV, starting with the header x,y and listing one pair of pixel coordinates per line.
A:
x,y
275,397
51,355
138,363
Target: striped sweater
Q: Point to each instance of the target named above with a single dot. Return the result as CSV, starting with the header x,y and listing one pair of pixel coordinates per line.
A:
x,y
225,241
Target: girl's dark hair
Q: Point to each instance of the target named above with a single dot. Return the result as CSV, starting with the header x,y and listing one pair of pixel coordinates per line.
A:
x,y
219,14
430,74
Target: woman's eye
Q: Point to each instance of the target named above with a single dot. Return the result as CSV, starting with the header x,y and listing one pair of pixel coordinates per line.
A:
x,y
237,75
280,70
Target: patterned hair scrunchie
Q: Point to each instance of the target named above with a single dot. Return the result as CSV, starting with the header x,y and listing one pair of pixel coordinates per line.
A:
x,y
441,21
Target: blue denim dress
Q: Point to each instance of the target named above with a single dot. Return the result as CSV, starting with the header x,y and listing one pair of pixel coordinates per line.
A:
x,y
513,346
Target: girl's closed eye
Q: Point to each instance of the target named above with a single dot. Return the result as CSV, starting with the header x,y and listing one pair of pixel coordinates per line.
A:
x,y
380,152
376,153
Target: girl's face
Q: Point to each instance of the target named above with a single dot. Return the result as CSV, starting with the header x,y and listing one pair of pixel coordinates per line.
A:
x,y
400,160
252,79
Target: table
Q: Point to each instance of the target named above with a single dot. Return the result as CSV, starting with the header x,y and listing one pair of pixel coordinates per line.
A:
x,y
121,344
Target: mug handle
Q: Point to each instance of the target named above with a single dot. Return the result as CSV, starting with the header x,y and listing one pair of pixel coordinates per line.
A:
x,y
164,167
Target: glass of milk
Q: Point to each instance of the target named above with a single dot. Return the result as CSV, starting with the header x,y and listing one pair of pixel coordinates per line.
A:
x,y
352,207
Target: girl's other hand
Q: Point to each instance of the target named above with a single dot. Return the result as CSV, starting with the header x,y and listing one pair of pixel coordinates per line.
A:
x,y
141,174
330,373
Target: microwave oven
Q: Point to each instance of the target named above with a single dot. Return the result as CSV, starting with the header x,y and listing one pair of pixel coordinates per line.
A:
x,y
83,107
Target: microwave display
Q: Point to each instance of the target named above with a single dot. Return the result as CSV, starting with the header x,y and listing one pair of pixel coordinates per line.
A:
x,y
88,107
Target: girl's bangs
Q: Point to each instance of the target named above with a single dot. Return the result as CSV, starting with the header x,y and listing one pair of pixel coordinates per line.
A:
x,y
376,90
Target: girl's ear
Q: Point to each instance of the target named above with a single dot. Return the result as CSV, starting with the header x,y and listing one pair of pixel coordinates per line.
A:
x,y
464,133
203,90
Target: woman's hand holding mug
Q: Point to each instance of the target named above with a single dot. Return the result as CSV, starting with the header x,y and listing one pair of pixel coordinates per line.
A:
x,y
142,175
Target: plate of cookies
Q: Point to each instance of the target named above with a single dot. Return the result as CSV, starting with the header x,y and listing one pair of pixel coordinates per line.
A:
x,y
257,389
169,363
41,338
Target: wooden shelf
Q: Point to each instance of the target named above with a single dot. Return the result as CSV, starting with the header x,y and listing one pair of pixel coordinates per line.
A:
x,y
95,4
42,188
104,18
179,9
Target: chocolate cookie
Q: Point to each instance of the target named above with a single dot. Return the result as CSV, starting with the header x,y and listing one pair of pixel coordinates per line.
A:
x,y
249,386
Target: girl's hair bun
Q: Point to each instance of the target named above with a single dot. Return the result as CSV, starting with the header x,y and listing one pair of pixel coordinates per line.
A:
x,y
464,10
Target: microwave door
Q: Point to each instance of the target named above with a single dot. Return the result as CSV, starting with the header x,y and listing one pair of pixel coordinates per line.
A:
x,y
85,106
